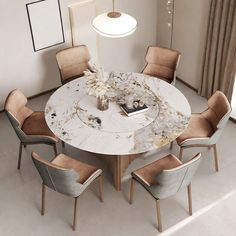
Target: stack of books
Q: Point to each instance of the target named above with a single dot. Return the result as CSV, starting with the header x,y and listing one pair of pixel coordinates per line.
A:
x,y
134,110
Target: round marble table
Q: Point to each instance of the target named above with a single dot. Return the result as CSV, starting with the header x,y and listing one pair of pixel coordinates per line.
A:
x,y
73,116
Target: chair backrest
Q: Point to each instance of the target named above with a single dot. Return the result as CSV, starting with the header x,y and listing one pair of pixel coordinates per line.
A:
x,y
15,106
172,180
218,111
72,62
57,178
161,62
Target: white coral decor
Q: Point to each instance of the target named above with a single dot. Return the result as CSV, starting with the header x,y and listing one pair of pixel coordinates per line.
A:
x,y
96,82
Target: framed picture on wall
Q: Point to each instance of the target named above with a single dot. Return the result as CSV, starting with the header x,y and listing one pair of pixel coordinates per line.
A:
x,y
45,23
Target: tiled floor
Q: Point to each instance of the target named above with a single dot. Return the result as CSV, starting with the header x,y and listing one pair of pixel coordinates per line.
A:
x,y
213,193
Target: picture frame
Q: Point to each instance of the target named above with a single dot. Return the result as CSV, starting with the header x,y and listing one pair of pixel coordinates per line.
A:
x,y
45,22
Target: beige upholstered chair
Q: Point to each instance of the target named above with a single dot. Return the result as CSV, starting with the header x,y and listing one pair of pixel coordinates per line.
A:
x,y
204,129
30,126
162,63
67,176
164,178
72,62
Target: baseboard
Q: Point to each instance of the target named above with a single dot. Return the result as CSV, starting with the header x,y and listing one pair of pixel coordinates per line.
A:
x,y
188,85
38,95
43,93
52,90
232,119
194,89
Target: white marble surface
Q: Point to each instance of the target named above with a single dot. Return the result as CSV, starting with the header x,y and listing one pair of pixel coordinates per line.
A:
x,y
73,116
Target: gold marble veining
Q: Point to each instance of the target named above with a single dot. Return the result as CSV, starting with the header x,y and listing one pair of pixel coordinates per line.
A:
x,y
72,122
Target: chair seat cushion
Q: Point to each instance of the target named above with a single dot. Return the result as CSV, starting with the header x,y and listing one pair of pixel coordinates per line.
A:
x,y
168,80
36,124
199,127
84,170
148,173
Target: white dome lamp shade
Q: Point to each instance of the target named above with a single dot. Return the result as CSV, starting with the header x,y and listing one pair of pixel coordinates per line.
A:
x,y
114,24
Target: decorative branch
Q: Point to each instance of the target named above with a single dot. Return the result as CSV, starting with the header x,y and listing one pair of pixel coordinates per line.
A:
x,y
96,82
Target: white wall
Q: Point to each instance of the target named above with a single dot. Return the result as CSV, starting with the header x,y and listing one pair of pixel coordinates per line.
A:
x,y
163,31
233,102
190,26
34,72
127,54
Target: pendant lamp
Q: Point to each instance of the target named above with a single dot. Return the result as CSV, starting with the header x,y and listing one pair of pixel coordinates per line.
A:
x,y
114,24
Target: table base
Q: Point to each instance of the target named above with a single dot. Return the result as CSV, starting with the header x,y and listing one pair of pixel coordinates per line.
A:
x,y
117,165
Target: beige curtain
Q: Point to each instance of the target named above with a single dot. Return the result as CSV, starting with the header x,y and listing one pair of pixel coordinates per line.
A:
x,y
219,63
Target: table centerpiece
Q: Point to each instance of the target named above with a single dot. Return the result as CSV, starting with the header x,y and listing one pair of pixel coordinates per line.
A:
x,y
97,86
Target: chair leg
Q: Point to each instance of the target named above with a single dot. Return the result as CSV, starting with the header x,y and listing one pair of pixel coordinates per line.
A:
x,y
75,214
131,191
55,149
100,189
181,153
171,145
216,158
63,144
190,209
19,157
43,199
159,224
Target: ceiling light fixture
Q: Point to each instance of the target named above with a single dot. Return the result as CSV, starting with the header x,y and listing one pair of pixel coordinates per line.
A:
x,y
114,24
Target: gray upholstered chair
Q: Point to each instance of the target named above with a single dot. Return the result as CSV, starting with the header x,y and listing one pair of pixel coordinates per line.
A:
x,y
30,126
72,62
67,176
162,63
164,178
205,128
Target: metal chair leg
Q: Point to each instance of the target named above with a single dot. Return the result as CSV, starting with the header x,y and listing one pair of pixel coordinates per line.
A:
x,y
75,214
216,158
159,224
43,199
19,157
55,149
131,191
190,209
181,153
100,189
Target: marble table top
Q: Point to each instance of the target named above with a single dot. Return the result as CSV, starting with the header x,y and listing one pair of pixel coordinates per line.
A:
x,y
73,116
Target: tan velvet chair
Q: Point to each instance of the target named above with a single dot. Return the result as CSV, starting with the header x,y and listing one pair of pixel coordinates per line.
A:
x,y
30,126
205,129
164,178
72,62
162,63
67,176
